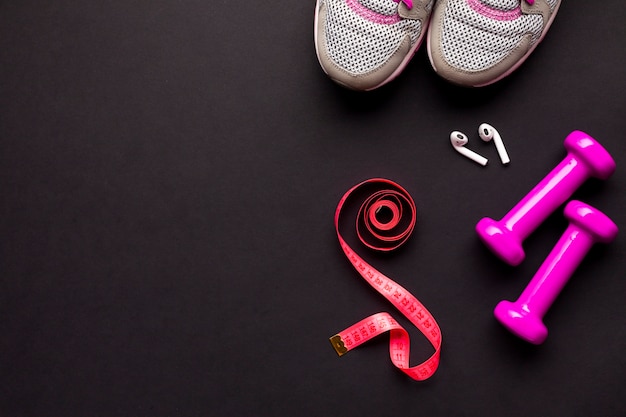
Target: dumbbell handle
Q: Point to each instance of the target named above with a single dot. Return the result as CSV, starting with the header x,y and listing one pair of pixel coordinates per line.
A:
x,y
545,197
556,271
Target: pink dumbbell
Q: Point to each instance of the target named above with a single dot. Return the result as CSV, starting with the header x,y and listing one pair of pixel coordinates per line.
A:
x,y
585,158
524,317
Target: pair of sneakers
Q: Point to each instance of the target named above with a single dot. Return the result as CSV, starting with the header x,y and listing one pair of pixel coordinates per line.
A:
x,y
364,44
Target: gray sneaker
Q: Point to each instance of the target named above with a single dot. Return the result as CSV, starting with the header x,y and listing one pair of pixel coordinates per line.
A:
x,y
364,44
478,42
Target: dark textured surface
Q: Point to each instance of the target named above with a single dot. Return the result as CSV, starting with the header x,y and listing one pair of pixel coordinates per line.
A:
x,y
168,177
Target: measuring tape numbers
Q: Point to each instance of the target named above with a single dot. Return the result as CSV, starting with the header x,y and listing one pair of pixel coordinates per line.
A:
x,y
385,220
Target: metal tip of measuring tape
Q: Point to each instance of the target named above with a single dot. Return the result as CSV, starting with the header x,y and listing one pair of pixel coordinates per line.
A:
x,y
338,345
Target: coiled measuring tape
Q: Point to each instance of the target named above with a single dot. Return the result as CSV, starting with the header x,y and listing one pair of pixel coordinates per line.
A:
x,y
382,225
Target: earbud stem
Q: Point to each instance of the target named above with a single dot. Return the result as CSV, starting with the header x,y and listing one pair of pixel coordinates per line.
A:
x,y
504,156
472,155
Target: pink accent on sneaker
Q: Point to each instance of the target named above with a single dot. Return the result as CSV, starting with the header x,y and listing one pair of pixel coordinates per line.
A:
x,y
494,14
372,16
409,3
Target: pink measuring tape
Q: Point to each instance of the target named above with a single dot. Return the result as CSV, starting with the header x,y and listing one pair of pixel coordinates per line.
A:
x,y
384,222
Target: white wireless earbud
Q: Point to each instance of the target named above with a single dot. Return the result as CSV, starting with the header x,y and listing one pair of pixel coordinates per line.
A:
x,y
487,133
459,140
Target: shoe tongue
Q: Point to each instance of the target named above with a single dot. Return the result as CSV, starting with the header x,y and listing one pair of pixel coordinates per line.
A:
x,y
504,5
386,7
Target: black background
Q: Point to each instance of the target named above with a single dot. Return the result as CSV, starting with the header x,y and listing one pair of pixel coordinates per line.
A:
x,y
169,172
